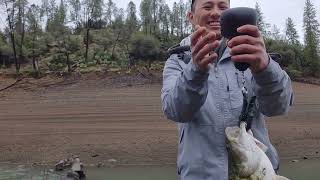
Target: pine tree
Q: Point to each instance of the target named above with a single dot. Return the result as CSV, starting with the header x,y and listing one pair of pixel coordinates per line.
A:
x,y
311,39
146,16
164,15
275,33
34,27
132,20
175,20
291,32
154,13
262,25
75,10
109,12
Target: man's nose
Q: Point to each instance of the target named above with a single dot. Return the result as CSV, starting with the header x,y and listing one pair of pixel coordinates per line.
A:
x,y
215,12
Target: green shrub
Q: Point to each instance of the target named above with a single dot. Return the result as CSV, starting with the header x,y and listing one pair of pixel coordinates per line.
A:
x,y
145,48
293,73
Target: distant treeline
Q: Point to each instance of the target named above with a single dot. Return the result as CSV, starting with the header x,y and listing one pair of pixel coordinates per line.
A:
x,y
78,34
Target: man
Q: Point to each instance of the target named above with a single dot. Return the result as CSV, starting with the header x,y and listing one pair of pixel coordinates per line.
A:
x,y
205,97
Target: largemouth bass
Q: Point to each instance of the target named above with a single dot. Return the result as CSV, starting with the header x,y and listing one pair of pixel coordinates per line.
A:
x,y
247,157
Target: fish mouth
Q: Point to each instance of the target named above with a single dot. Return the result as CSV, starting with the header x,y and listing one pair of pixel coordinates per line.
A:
x,y
232,133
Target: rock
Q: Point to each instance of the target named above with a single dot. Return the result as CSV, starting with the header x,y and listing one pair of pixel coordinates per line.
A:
x,y
317,152
51,170
95,155
63,164
112,161
305,157
21,166
60,166
295,160
100,164
91,165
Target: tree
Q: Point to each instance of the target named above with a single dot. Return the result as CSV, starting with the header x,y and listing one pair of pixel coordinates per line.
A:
x,y
182,16
10,7
187,24
59,20
131,20
92,12
48,10
291,32
33,18
118,30
20,25
75,13
145,14
275,33
311,39
262,25
96,14
110,8
175,22
5,50
154,12
164,18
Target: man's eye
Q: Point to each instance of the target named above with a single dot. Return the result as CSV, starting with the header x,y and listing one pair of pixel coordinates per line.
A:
x,y
207,7
223,7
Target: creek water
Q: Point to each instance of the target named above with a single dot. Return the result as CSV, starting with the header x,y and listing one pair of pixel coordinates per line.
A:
x,y
301,170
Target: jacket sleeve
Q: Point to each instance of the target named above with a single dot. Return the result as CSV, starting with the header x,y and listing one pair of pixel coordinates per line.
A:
x,y
273,89
184,90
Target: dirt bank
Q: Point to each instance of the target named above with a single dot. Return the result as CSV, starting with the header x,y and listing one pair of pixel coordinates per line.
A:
x,y
43,121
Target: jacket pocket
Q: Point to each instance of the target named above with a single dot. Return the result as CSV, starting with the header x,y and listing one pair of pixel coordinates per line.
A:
x,y
234,89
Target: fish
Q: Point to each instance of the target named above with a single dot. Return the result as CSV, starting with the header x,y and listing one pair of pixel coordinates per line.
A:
x,y
247,157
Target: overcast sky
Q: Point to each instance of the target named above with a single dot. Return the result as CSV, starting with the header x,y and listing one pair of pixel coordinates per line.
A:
x,y
275,11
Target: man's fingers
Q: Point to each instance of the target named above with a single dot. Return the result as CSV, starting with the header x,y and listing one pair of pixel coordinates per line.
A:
x,y
244,49
207,60
211,37
206,50
250,30
249,58
244,39
197,34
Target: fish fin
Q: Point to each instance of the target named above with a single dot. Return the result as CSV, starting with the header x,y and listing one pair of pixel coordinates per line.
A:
x,y
259,144
281,178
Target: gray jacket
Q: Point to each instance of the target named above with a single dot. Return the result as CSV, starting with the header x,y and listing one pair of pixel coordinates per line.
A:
x,y
204,104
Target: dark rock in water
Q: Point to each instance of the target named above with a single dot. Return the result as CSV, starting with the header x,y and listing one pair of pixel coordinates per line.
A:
x,y
295,160
95,155
63,164
317,152
305,157
60,166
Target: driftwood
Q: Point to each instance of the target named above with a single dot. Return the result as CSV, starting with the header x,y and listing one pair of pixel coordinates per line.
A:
x,y
10,86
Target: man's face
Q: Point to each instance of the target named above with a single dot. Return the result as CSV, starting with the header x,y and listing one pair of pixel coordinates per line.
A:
x,y
207,13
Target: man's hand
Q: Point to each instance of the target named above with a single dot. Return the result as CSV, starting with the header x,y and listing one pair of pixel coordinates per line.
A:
x,y
202,47
249,48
